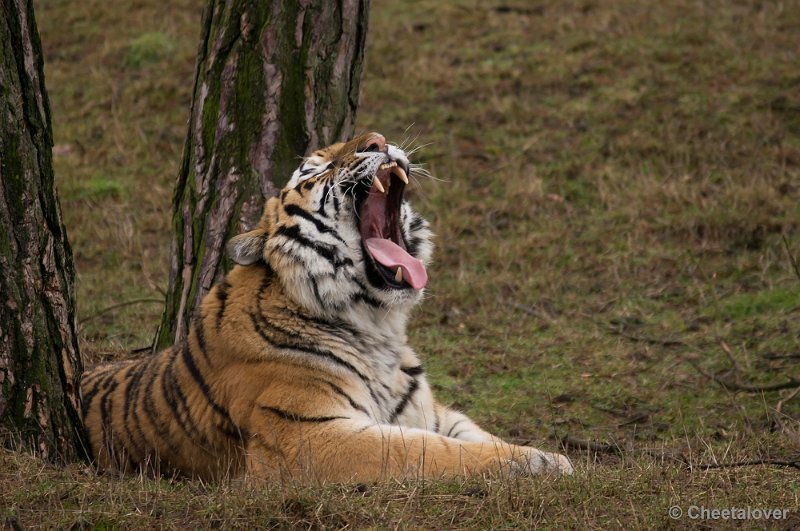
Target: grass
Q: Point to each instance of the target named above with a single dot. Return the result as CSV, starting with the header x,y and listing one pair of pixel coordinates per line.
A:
x,y
599,497
97,187
149,48
616,179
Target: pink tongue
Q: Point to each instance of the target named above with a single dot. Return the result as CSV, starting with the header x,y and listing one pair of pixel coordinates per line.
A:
x,y
392,255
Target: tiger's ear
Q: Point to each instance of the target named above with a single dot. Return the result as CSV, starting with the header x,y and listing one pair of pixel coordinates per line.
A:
x,y
247,248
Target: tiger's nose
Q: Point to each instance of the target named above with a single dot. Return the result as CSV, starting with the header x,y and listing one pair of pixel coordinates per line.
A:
x,y
376,143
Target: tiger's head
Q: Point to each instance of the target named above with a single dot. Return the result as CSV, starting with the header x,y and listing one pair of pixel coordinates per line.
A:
x,y
340,236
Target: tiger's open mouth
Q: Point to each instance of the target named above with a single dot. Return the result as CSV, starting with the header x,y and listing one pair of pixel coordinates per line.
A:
x,y
389,264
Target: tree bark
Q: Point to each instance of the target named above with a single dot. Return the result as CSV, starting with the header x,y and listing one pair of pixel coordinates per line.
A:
x,y
40,367
274,81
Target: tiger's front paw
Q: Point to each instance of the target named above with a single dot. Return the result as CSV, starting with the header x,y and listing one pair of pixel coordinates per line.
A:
x,y
557,463
537,462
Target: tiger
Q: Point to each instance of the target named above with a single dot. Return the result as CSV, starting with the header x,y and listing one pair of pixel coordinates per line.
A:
x,y
297,364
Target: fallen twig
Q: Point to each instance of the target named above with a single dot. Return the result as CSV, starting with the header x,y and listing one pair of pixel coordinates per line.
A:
x,y
750,388
631,417
117,306
785,399
756,462
792,259
779,409
775,356
530,310
581,444
729,353
646,339
570,441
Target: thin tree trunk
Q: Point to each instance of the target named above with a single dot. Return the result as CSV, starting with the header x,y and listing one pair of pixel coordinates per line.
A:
x,y
39,362
274,81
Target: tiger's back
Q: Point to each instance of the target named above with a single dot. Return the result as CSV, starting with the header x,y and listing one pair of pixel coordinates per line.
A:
x,y
297,364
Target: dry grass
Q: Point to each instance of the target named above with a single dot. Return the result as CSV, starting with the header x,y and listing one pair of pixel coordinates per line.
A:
x,y
632,493
617,178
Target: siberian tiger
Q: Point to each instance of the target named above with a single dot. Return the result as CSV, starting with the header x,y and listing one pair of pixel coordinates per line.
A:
x,y
297,364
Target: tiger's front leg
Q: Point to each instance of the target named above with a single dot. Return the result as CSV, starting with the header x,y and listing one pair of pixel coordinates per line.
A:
x,y
456,425
329,449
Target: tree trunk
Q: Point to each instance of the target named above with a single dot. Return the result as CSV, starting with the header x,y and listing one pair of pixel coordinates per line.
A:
x,y
39,362
274,81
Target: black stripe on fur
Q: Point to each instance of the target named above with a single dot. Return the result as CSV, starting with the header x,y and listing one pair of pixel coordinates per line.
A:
x,y
450,431
413,371
401,406
262,326
222,296
322,228
294,234
189,361
288,415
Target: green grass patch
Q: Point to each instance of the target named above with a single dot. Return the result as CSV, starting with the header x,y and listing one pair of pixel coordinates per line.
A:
x,y
98,187
148,48
780,300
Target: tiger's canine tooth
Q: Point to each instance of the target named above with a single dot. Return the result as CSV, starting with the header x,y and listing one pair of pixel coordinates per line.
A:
x,y
378,185
401,174
399,275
